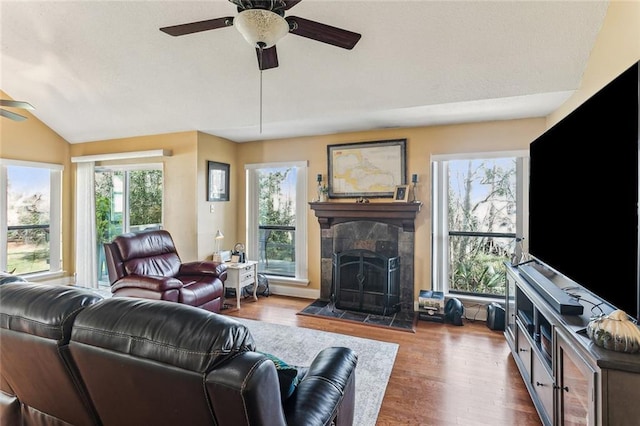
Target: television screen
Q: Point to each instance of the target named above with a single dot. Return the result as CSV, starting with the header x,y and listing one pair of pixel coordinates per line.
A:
x,y
583,195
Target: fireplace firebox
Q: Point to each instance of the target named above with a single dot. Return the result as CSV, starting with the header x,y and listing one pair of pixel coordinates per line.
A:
x,y
366,281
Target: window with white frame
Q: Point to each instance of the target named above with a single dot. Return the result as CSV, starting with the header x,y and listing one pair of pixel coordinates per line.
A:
x,y
277,220
479,214
30,218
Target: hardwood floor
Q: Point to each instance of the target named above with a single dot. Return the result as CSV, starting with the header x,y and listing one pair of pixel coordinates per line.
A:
x,y
443,374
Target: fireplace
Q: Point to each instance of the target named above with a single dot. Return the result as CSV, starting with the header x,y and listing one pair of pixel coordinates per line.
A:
x,y
366,281
374,231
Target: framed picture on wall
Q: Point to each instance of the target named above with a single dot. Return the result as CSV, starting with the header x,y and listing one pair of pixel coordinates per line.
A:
x,y
366,169
217,181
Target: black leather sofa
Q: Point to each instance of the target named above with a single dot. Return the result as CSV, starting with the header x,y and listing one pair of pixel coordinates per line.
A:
x,y
70,357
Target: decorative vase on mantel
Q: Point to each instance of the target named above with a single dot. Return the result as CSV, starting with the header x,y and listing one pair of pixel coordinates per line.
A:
x,y
323,191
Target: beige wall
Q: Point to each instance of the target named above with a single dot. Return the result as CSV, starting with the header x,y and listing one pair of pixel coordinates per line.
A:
x,y
422,143
32,140
225,214
617,47
180,176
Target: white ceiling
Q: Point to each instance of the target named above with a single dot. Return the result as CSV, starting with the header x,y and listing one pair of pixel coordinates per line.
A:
x,y
98,70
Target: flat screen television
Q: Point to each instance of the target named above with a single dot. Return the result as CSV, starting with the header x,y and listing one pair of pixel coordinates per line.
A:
x,y
583,195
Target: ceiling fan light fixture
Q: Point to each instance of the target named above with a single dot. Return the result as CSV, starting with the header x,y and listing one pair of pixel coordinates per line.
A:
x,y
261,27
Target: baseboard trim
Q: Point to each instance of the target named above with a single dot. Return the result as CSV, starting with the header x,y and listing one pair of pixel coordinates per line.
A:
x,y
285,290
69,280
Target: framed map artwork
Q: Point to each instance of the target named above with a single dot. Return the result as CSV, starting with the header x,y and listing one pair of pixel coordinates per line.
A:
x,y
366,169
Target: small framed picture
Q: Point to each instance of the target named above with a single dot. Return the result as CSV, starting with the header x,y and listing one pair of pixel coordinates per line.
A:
x,y
401,194
218,181
225,255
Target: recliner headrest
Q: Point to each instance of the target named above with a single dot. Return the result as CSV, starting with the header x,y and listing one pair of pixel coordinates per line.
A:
x,y
172,333
43,310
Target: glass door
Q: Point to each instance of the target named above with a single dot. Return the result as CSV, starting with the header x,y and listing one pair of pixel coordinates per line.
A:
x,y
576,386
127,200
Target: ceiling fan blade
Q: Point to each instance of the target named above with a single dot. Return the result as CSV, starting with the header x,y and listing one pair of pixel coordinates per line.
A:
x,y
269,58
196,27
15,104
322,32
12,115
290,3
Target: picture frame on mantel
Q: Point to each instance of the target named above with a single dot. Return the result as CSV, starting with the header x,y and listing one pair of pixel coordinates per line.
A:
x,y
366,169
401,194
217,181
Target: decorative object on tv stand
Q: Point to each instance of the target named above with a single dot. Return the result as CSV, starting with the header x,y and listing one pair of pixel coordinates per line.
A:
x,y
615,332
323,190
216,254
518,255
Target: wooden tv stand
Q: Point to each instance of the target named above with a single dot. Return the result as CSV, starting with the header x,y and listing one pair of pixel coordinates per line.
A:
x,y
570,380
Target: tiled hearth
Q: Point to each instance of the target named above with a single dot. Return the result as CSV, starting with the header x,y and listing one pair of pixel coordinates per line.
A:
x,y
386,228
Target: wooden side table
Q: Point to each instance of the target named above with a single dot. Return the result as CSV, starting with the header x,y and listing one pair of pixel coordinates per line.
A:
x,y
240,275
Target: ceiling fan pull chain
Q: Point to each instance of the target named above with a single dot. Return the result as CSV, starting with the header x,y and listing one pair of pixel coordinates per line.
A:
x,y
261,49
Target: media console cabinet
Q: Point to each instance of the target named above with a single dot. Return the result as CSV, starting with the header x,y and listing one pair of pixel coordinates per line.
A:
x,y
571,380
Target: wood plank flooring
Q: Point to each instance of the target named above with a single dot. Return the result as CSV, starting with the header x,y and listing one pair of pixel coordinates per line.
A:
x,y
443,374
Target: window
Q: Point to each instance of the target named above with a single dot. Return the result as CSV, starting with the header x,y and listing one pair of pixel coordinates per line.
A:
x,y
276,220
30,217
478,214
128,199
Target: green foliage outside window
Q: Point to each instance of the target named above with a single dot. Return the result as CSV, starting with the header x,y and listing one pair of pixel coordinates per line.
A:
x,y
481,200
29,247
145,201
276,208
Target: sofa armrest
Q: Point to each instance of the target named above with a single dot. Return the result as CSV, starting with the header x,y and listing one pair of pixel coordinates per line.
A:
x,y
203,268
326,394
245,391
147,282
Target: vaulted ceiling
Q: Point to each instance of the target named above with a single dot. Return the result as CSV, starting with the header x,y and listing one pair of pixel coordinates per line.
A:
x,y
98,70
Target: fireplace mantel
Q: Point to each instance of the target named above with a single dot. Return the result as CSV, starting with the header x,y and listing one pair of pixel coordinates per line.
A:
x,y
394,213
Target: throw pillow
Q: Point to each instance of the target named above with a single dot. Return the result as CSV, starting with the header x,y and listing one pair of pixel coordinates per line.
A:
x,y
287,376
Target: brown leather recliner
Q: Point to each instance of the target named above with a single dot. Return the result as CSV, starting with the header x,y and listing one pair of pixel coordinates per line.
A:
x,y
146,265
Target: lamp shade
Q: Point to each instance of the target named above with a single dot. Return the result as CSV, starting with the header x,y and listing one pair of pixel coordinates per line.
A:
x,y
261,26
219,235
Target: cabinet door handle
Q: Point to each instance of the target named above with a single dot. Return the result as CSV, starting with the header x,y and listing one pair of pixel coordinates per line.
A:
x,y
564,388
540,384
522,350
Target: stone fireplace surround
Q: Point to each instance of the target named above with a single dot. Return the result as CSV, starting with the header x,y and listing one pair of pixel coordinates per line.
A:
x,y
386,228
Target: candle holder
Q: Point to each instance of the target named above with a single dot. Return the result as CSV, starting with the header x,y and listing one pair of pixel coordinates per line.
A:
x,y
322,190
412,194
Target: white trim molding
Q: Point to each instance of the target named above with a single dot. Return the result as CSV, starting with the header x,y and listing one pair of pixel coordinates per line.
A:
x,y
122,155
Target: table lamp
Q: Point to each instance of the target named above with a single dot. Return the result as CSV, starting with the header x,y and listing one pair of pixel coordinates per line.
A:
x,y
216,254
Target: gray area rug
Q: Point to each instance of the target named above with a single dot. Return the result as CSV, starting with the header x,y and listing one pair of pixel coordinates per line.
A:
x,y
298,346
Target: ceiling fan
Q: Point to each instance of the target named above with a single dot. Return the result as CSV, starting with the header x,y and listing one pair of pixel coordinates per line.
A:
x,y
262,23
14,104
